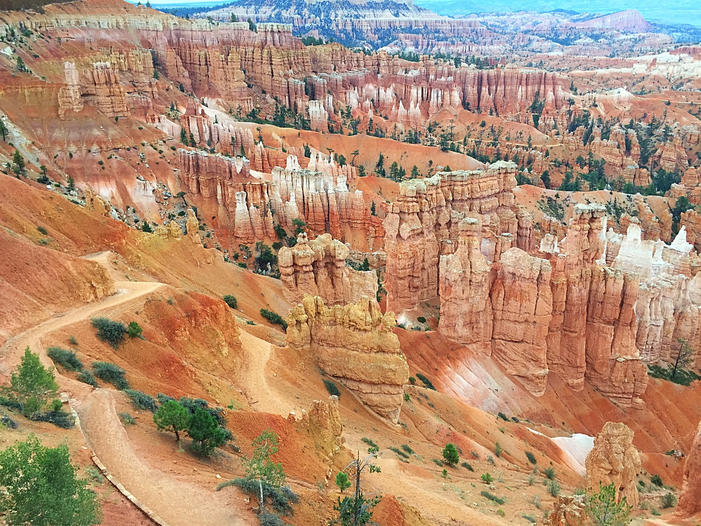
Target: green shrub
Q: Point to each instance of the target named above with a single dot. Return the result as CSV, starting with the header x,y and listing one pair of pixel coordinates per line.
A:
x,y
111,373
501,512
487,478
529,518
127,419
331,387
399,452
58,418
498,450
421,319
427,383
231,301
110,331
669,500
549,472
450,454
408,449
656,480
72,340
492,497
280,498
531,457
32,386
412,380
41,229
65,358
274,318
87,377
553,488
502,416
134,330
467,466
141,400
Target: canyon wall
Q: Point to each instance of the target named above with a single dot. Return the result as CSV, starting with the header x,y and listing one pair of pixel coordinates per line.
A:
x,y
690,498
592,305
423,224
355,345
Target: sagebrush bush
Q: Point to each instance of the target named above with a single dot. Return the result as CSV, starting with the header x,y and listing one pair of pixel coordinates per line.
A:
x,y
280,498
549,472
553,488
669,500
492,497
87,377
110,331
57,418
111,373
65,358
467,466
141,400
656,480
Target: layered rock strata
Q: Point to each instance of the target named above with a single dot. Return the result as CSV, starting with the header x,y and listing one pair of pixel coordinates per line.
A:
x,y
423,224
355,345
614,459
318,268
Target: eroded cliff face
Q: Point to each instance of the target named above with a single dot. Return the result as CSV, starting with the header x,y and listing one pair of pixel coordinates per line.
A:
x,y
522,308
591,306
318,268
423,224
354,344
615,460
690,498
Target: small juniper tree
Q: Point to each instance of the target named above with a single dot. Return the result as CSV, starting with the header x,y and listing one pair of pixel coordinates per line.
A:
x,y
342,481
171,415
450,454
206,432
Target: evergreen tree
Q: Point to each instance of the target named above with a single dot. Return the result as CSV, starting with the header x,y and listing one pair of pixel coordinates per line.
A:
x,y
32,386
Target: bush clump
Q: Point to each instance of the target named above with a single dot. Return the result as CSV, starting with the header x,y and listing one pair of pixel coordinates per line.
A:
x,y
134,330
332,388
656,480
231,301
141,400
549,472
274,318
487,478
427,383
87,377
65,358
280,498
111,373
110,331
531,457
669,500
492,497
467,466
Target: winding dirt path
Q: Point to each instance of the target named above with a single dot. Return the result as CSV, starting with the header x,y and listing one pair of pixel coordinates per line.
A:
x,y
177,502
